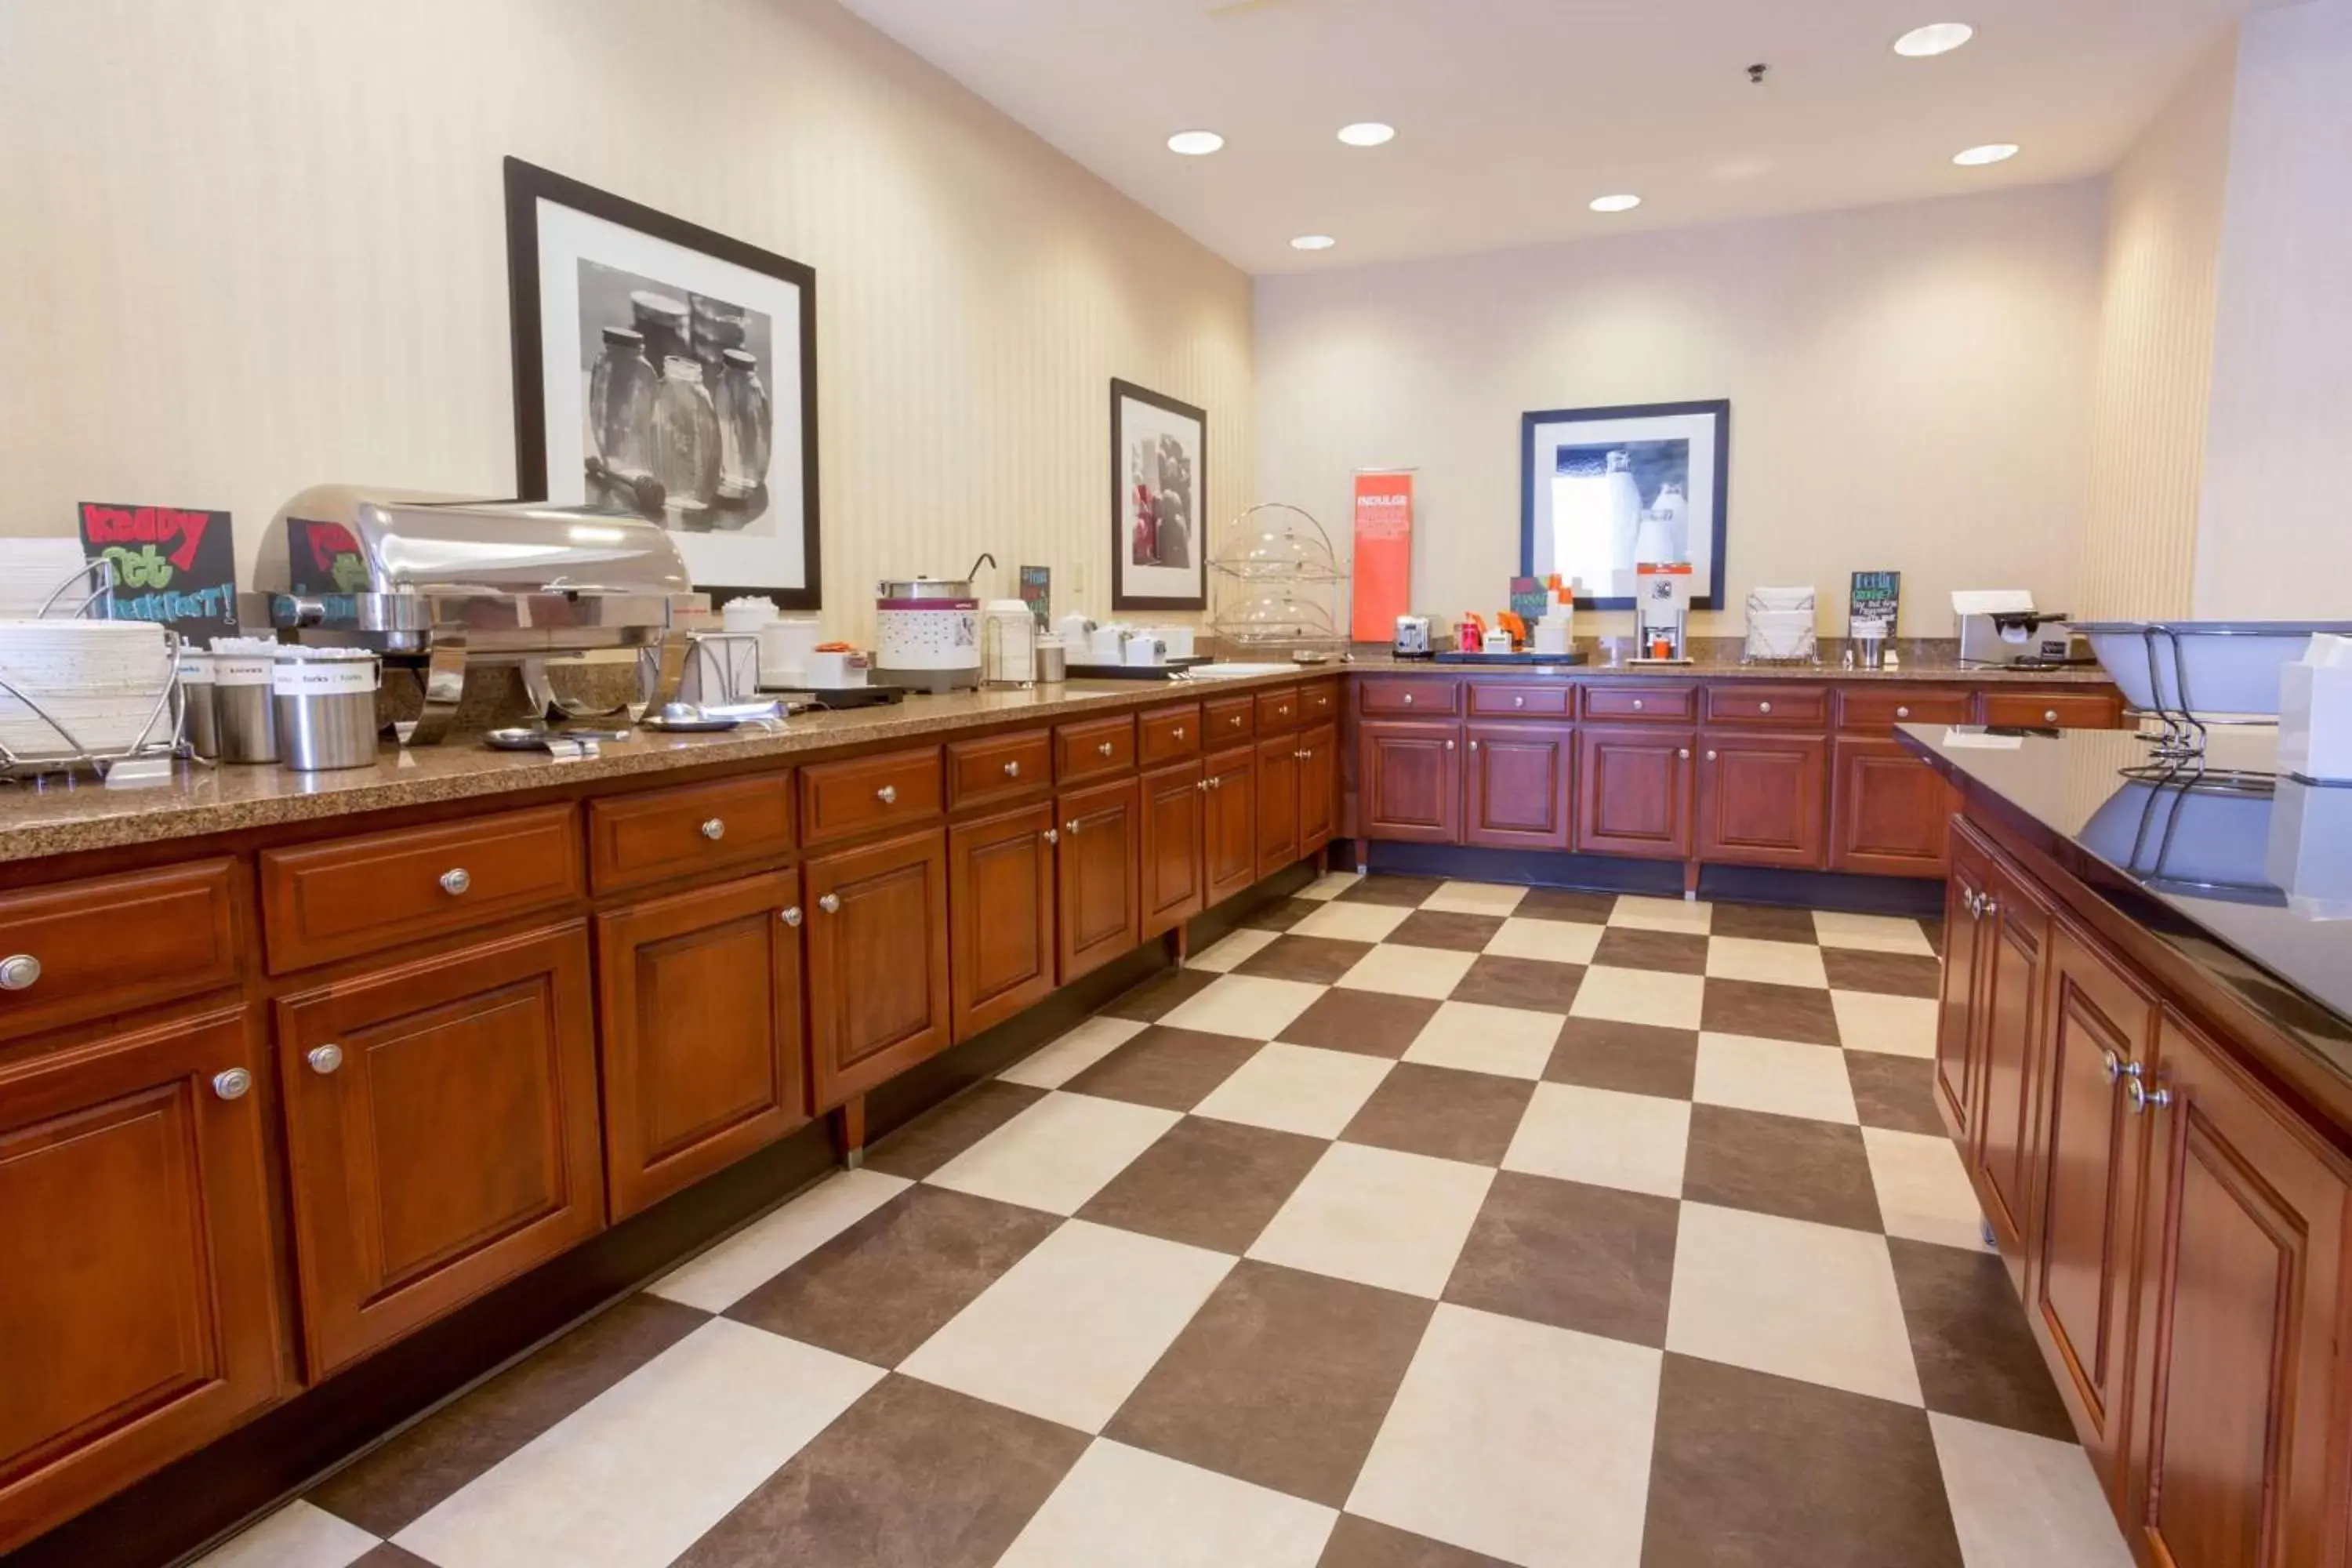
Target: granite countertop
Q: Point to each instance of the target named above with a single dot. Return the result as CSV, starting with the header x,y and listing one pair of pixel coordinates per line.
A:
x,y
1720,658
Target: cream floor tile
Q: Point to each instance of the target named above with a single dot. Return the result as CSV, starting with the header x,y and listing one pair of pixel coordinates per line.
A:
x,y
297,1536
1051,1065
1923,1192
1231,950
1792,1297
774,1243
1662,914
1352,922
1408,970
1057,1153
1604,1137
1523,1441
1379,1217
1247,1007
632,1478
1873,933
1786,1078
1124,1508
1640,997
1070,1330
1328,886
2023,1501
1296,1089
1559,942
1475,899
1897,1025
1772,962
1509,1041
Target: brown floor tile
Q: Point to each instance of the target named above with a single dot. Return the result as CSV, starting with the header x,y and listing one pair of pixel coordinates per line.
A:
x,y
1442,928
1769,1012
1529,983
1898,1092
909,1477
1360,1544
1172,1069
1206,1183
1625,947
1282,1378
1560,904
1281,914
386,1555
1764,923
1934,929
1899,973
1977,1357
1368,1023
1635,1058
1405,892
1590,1258
1780,1164
1466,1116
1318,960
391,1486
884,1285
945,1130
1755,1471
1162,993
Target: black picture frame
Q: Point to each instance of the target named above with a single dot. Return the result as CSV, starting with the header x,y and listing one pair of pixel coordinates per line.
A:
x,y
526,184
1720,408
1126,391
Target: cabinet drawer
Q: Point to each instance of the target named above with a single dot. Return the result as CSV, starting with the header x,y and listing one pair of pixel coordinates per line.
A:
x,y
1880,707
1409,697
2051,710
1622,702
1805,707
1169,734
351,896
1095,749
663,834
1230,721
1000,768
1277,711
869,794
1520,699
1319,702
181,925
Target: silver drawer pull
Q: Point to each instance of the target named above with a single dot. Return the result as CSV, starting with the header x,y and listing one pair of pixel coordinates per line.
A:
x,y
1202,785
1104,750
1710,756
830,903
1449,745
1683,751
1473,745
1217,784
2117,1068
1637,705
324,1060
19,971
2049,716
455,881
1235,719
1178,732
887,795
791,917
231,1083
1518,702
1763,708
2142,1098
1053,836
715,829
1071,827
1012,770
1903,712
1308,755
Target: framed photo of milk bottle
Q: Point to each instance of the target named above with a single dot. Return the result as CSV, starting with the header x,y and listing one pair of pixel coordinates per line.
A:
x,y
1603,491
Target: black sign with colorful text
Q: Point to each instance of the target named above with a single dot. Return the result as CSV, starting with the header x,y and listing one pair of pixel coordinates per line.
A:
x,y
173,565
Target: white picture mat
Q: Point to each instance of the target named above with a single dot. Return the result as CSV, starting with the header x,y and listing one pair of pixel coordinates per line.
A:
x,y
1137,420
1698,429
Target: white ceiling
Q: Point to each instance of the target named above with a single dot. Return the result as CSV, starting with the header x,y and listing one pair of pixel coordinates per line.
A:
x,y
1513,114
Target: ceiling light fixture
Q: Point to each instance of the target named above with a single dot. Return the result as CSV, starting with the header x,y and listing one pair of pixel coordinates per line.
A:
x,y
1313,242
1195,143
1991,152
1619,204
1934,39
1367,133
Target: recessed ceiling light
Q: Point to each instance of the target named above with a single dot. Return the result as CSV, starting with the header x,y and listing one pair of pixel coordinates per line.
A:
x,y
1367,133
1313,242
1991,152
1934,39
1620,203
1195,143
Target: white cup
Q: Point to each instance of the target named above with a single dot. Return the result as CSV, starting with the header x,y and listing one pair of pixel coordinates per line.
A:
x,y
1103,644
1146,649
830,671
1177,640
784,648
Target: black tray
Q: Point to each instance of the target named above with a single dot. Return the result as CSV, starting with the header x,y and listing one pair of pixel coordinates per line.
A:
x,y
1453,656
1167,669
840,697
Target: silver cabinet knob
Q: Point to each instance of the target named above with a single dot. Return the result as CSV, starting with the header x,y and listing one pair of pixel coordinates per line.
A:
x,y
1710,756
1104,750
455,881
715,829
1012,770
830,903
791,917
1473,745
1178,732
2115,1067
1071,827
1407,698
1992,905
18,971
1235,719
324,1060
231,1083
887,795
1683,751
1308,755
1518,702
1449,745
1053,836
2141,1098
2049,716
1903,712
1637,705
1216,783
1763,708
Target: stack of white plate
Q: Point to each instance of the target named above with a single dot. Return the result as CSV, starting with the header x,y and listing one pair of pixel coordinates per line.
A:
x,y
104,680
1780,623
32,569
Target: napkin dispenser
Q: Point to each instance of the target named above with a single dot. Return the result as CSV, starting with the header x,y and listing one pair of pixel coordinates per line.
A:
x,y
2001,626
2316,712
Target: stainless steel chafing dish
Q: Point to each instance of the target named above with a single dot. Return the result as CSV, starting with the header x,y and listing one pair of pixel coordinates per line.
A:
x,y
437,582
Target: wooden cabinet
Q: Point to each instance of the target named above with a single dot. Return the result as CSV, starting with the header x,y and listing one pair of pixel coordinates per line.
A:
x,y
889,792
1517,792
877,940
1763,799
700,1007
1000,916
2004,1146
1407,696
442,1122
997,769
1170,854
1958,1035
1278,799
1100,902
138,1295
1229,836
1318,782
1409,775
1633,794
1888,810
662,835
2052,709
1097,748
182,922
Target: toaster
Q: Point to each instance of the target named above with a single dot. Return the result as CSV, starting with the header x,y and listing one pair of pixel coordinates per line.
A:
x,y
1412,639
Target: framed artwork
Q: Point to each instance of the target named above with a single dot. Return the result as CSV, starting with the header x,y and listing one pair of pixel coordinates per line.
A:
x,y
1602,490
1159,484
669,369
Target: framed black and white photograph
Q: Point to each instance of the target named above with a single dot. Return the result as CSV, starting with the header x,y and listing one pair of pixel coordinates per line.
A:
x,y
1605,490
1159,484
667,369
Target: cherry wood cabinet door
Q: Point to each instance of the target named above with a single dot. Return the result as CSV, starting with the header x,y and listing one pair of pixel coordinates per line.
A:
x,y
1763,800
1517,794
2013,935
1277,801
1318,782
1634,792
1888,810
1100,903
138,1297
1959,1031
2241,1409
877,930
441,1120
701,1041
1001,910
1172,855
1229,837
1410,778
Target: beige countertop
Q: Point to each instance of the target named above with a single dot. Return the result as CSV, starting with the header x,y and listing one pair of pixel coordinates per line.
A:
x,y
1719,659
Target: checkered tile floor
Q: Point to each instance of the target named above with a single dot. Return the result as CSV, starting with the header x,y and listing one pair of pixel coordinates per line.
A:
x,y
1417,1224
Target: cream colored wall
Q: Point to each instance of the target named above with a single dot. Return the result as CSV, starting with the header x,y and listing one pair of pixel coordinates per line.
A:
x,y
249,245
1910,389
2156,352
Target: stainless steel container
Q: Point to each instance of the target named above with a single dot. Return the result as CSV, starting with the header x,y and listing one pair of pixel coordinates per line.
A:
x,y
325,702
245,719
195,672
1053,661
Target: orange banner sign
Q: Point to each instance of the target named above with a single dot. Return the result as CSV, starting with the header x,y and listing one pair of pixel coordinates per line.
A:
x,y
1383,568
